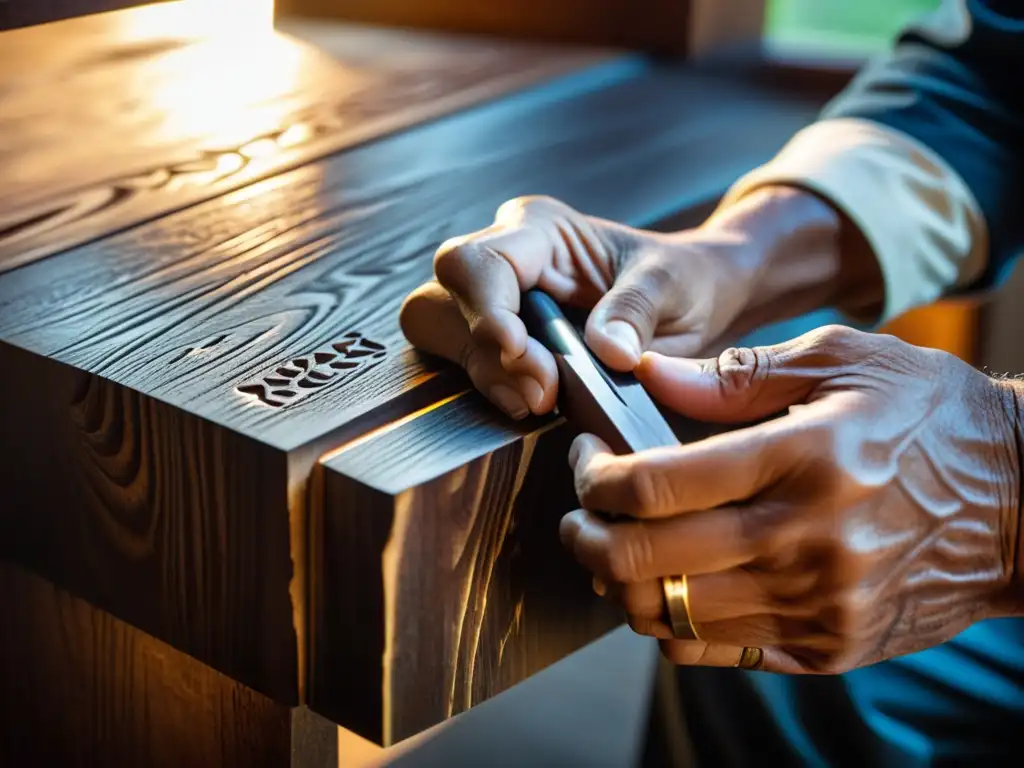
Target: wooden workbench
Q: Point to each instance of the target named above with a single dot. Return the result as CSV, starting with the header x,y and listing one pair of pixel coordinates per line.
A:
x,y
231,494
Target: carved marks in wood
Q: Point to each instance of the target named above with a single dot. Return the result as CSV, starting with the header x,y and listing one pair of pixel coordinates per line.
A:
x,y
290,382
218,296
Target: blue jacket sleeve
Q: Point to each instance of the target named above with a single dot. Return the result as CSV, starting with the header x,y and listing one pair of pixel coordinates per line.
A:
x,y
955,82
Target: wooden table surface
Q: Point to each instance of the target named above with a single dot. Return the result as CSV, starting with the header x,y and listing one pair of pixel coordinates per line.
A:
x,y
215,431
113,119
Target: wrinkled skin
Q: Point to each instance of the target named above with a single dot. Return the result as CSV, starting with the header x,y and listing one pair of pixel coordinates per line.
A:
x,y
876,518
667,293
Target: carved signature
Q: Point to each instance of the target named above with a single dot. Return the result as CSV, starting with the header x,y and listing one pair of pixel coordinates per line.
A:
x,y
296,379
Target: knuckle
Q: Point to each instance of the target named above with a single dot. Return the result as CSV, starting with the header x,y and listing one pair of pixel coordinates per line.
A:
x,y
530,206
840,336
739,370
649,492
457,262
635,302
591,481
630,553
839,343
451,258
846,614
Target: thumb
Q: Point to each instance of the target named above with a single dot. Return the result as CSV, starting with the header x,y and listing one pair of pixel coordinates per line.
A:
x,y
622,324
740,385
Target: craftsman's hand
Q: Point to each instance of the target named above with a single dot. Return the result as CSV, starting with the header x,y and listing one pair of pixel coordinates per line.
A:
x,y
878,517
669,293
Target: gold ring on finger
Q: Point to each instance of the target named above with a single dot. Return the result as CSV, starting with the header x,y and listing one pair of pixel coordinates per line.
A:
x,y
751,658
677,602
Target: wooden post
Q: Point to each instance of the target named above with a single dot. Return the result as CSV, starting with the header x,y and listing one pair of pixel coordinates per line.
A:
x,y
666,27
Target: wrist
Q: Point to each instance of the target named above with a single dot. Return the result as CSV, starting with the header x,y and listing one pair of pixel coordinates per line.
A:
x,y
1012,396
795,253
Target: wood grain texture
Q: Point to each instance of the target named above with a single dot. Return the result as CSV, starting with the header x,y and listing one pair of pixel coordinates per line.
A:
x,y
114,119
439,578
209,303
81,688
174,524
169,388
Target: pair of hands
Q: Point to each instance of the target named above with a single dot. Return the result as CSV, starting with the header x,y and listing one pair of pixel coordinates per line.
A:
x,y
876,518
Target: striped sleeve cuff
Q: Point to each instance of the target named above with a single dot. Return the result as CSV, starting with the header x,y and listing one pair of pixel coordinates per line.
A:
x,y
916,213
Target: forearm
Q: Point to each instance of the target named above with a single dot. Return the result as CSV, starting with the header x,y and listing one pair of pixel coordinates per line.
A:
x,y
922,153
798,254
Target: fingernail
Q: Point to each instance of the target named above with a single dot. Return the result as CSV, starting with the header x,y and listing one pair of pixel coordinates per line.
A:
x,y
532,392
509,401
625,336
600,587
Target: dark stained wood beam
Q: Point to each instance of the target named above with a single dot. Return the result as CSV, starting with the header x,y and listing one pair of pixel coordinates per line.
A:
x,y
439,579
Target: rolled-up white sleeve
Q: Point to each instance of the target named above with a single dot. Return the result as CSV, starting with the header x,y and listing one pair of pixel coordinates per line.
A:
x,y
919,217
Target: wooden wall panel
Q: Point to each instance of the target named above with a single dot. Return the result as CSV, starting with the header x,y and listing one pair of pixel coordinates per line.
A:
x,y
114,119
439,578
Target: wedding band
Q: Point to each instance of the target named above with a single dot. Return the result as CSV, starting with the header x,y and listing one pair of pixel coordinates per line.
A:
x,y
677,601
751,658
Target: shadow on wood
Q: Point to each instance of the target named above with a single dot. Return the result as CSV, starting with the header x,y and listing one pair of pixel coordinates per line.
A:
x,y
81,688
172,523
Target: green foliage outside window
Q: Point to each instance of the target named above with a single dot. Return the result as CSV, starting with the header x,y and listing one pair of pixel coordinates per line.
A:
x,y
841,26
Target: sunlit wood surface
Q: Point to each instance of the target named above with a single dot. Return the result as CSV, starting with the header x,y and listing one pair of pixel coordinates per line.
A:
x,y
113,119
